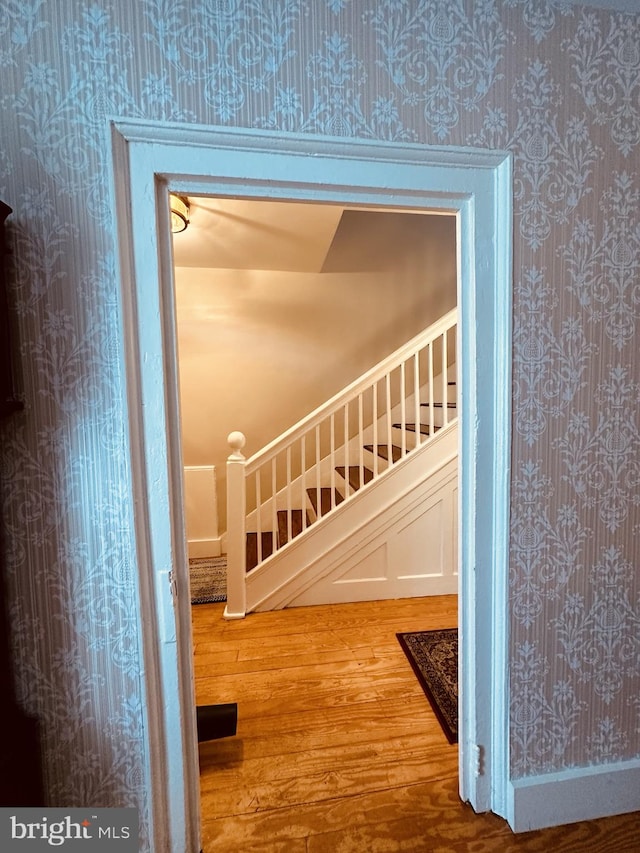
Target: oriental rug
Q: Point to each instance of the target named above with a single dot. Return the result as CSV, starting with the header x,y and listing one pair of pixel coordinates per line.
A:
x,y
433,656
208,579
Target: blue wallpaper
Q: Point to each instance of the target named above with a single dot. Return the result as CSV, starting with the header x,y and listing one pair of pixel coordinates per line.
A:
x,y
557,85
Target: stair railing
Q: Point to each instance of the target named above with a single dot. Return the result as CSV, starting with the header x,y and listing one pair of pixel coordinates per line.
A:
x,y
291,483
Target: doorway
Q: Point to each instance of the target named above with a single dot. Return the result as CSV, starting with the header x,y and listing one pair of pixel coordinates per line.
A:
x,y
473,185
280,305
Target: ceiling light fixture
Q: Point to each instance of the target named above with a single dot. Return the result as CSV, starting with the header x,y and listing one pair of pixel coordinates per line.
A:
x,y
179,206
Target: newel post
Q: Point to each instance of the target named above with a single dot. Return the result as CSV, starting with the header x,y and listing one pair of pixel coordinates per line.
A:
x,y
236,536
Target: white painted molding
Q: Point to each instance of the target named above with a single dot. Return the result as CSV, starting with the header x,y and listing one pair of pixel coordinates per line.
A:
x,y
581,793
370,564
475,185
204,548
201,511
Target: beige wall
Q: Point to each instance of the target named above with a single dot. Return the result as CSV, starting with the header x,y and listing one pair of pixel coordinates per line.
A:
x,y
259,349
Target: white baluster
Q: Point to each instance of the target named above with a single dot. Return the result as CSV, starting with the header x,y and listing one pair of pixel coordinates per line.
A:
x,y
318,492
403,410
445,384
332,458
374,407
236,529
303,480
274,508
431,398
347,487
416,397
289,502
360,440
258,488
389,419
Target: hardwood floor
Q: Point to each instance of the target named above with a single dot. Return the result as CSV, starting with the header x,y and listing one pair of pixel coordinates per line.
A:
x,y
337,747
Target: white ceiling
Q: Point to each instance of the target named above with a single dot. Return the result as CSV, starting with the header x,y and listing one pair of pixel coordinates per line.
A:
x,y
245,234
227,233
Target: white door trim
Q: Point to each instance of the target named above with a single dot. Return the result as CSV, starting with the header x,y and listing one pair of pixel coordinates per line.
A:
x,y
476,184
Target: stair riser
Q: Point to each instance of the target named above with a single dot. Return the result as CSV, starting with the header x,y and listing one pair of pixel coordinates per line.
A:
x,y
290,525
252,548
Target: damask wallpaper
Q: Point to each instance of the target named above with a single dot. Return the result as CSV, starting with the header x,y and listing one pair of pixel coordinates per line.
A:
x,y
559,86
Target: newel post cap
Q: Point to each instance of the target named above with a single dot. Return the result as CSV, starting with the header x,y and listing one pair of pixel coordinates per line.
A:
x,y
236,442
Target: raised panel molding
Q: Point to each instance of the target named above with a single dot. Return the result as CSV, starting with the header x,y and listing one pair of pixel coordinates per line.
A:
x,y
370,569
375,566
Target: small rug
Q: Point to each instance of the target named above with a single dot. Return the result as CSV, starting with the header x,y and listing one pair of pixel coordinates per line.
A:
x,y
434,658
208,579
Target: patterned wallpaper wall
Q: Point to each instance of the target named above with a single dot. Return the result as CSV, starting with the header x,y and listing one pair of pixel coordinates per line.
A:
x,y
560,88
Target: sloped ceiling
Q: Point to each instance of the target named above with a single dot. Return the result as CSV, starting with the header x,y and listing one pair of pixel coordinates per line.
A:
x,y
376,241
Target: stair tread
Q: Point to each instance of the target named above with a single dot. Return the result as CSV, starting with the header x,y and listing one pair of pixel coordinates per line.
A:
x,y
325,499
424,428
354,475
383,451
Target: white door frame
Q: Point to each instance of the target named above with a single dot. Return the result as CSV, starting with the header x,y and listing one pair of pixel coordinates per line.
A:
x,y
149,158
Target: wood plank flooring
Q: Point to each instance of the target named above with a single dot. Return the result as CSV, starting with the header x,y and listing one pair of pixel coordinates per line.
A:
x,y
337,749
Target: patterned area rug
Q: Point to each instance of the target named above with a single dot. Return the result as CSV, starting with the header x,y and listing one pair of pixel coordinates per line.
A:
x,y
208,579
434,658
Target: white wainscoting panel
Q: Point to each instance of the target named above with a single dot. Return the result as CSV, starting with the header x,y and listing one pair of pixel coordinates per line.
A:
x,y
201,511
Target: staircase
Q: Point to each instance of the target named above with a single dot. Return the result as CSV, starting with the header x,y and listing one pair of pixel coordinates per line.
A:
x,y
283,534
343,482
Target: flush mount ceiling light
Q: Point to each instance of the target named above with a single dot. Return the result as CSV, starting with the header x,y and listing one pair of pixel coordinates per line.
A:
x,y
179,207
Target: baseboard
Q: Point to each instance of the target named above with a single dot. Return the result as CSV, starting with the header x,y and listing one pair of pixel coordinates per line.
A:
x,y
582,793
204,548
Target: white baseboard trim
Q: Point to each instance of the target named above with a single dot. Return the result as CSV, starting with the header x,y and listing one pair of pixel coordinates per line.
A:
x,y
204,548
581,793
